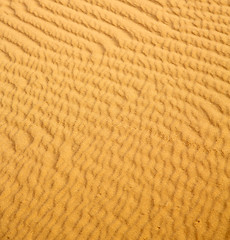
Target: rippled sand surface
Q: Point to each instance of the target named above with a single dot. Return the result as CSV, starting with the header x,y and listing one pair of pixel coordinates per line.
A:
x,y
114,119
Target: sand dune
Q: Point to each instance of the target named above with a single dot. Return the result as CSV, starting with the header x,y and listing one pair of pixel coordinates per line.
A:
x,y
114,119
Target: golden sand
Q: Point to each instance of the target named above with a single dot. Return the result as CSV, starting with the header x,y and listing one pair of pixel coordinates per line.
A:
x,y
114,119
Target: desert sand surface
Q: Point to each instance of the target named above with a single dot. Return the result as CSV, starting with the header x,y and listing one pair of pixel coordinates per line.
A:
x,y
114,120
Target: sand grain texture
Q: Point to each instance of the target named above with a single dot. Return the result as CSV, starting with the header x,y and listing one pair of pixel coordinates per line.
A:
x,y
114,119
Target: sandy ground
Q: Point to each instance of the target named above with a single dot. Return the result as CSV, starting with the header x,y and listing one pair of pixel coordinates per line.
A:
x,y
114,119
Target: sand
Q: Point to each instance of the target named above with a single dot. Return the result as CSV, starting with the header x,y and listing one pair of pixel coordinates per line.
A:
x,y
114,119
